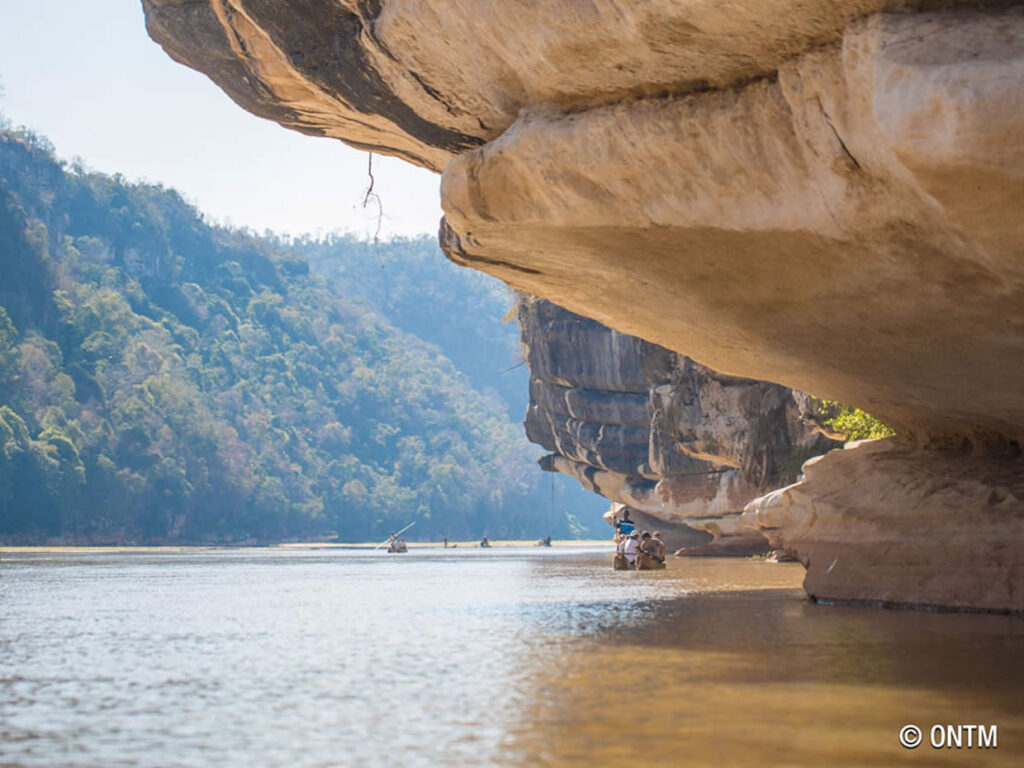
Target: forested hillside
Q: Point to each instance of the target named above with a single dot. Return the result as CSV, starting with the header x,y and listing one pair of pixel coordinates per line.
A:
x,y
164,380
463,311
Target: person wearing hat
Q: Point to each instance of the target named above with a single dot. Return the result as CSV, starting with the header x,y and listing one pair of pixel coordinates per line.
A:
x,y
630,547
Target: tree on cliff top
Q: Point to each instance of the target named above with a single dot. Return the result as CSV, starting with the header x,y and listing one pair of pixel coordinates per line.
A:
x,y
855,424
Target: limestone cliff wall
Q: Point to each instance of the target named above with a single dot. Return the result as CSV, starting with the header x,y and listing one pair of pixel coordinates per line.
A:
x,y
654,431
704,176
826,194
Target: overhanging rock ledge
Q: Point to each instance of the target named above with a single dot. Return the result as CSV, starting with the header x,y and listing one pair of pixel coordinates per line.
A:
x,y
825,194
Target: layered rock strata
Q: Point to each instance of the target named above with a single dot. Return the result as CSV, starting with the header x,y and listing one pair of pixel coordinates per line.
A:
x,y
821,193
656,432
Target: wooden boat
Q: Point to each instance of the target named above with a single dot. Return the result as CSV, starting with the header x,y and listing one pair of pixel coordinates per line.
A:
x,y
394,543
647,563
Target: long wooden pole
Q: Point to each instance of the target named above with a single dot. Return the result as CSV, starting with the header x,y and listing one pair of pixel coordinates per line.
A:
x,y
410,525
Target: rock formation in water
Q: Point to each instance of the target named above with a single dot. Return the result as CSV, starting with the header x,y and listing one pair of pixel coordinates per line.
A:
x,y
881,520
656,432
821,193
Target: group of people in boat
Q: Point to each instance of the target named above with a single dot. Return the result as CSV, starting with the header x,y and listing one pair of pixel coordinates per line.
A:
x,y
396,544
641,551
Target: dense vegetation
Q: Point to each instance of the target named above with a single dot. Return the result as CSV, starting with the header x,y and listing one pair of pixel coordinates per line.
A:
x,y
162,379
853,423
464,312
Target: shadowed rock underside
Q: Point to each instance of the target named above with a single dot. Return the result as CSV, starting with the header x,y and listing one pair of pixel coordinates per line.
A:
x,y
656,432
826,194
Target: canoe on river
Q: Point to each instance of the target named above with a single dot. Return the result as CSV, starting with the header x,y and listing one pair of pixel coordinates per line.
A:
x,y
643,563
646,563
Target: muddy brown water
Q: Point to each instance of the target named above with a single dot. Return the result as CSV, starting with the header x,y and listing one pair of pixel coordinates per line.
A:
x,y
514,657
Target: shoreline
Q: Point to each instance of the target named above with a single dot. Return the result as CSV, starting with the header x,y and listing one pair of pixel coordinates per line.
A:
x,y
289,546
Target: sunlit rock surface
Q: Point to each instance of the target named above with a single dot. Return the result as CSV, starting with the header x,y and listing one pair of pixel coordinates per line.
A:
x,y
850,227
826,194
903,525
656,432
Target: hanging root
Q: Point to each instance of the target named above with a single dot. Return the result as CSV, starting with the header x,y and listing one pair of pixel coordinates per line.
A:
x,y
369,190
371,195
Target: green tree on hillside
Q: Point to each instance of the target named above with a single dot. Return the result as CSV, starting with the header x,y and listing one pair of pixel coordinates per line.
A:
x,y
162,379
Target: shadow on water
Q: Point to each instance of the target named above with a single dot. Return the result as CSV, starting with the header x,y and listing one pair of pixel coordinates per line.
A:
x,y
968,654
748,676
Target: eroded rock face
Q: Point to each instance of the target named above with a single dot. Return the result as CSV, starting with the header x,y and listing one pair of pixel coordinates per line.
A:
x,y
656,432
752,166
892,523
850,227
426,81
826,194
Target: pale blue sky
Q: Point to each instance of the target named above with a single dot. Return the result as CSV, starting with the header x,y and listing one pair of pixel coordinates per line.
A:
x,y
85,74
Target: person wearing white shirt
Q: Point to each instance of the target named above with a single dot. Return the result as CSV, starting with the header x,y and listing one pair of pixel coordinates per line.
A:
x,y
629,547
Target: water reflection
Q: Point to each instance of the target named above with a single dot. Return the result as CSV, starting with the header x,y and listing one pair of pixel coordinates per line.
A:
x,y
520,657
733,675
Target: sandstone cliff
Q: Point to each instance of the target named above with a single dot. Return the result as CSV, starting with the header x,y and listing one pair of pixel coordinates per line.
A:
x,y
820,193
658,433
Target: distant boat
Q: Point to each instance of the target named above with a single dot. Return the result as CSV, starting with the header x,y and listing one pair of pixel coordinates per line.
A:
x,y
394,543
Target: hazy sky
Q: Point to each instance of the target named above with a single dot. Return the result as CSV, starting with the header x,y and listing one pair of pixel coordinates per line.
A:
x,y
85,74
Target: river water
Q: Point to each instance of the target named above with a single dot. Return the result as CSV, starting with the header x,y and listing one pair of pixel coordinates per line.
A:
x,y
515,657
